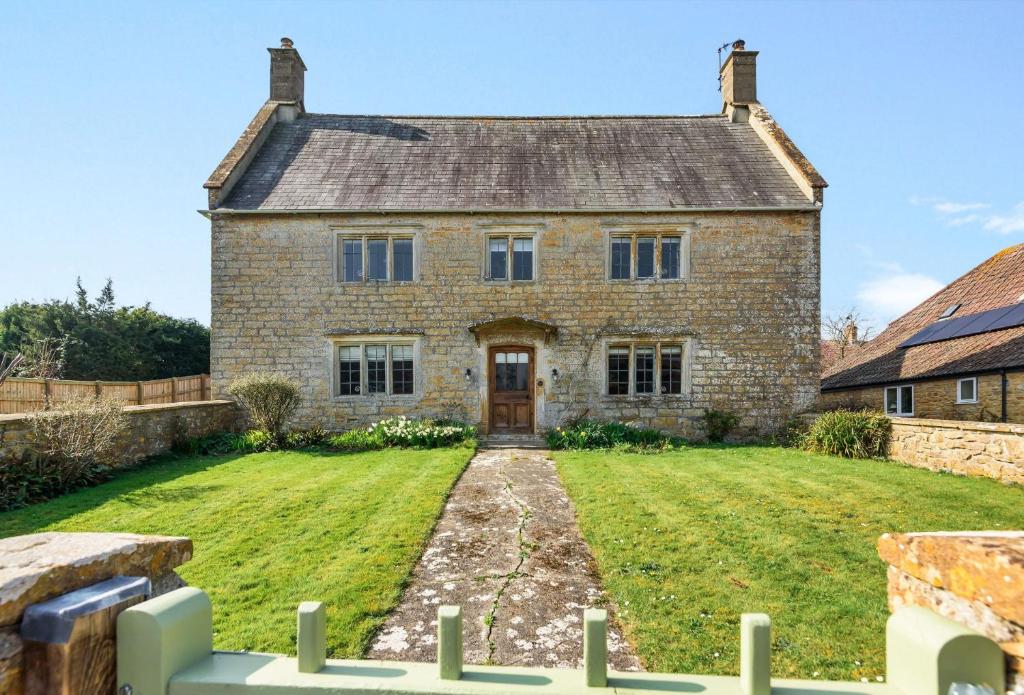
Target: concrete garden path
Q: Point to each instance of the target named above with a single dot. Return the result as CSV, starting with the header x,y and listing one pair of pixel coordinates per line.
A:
x,y
506,549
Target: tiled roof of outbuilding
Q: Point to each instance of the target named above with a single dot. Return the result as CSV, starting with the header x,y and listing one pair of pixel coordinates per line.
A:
x,y
998,282
321,161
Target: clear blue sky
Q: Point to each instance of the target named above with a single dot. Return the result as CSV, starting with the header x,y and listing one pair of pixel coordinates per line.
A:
x,y
114,115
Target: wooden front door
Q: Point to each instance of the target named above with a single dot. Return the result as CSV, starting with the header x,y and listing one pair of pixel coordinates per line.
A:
x,y
511,389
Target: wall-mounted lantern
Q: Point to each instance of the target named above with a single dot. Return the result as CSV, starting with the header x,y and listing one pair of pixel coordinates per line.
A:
x,y
469,375
554,375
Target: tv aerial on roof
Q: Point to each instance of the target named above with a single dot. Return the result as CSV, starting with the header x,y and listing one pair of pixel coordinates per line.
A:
x,y
737,45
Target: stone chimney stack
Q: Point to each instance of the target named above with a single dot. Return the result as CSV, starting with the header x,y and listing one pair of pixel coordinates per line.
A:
x,y
287,74
850,333
739,81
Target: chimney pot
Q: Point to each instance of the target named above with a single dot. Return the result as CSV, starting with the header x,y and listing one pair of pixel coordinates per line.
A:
x,y
286,42
739,45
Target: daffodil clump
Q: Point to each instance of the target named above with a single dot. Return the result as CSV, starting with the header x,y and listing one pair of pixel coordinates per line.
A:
x,y
590,434
404,432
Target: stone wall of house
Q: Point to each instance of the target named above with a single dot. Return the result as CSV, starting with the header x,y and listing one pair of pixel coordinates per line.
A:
x,y
749,312
42,566
152,429
936,399
992,450
974,578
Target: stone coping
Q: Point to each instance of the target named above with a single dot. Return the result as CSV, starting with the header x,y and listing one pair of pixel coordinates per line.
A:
x,y
41,566
984,566
994,427
152,407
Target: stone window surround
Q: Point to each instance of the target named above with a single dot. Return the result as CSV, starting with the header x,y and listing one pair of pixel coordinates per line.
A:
x,y
513,231
972,401
362,340
377,231
684,231
899,400
633,342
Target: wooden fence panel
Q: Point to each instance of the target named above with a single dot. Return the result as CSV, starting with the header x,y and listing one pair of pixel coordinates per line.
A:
x,y
21,395
125,391
68,390
26,395
160,391
192,388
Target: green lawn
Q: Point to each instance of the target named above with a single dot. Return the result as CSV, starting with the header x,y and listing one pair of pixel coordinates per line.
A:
x,y
272,530
687,541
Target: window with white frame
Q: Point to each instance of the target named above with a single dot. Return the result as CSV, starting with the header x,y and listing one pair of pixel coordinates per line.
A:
x,y
647,256
899,400
375,257
374,367
967,390
510,257
645,369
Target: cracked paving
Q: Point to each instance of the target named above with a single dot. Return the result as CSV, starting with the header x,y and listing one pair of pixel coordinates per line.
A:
x,y
508,550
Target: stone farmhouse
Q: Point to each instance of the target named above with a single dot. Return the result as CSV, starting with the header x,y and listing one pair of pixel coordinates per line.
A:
x,y
518,272
959,355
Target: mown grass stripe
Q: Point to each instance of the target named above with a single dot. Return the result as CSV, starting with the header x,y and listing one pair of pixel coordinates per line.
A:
x,y
688,540
272,530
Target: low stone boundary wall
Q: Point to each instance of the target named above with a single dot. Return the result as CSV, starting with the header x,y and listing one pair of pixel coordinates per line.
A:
x,y
152,429
989,449
974,578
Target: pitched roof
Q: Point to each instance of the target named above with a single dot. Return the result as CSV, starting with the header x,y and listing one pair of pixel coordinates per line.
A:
x,y
832,351
998,282
323,161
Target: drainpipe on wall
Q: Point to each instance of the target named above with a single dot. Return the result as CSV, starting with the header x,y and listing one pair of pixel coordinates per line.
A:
x,y
1003,383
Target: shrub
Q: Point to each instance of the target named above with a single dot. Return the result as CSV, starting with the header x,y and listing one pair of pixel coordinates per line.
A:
x,y
305,439
29,479
269,400
792,433
253,441
403,432
224,443
717,424
210,444
850,434
79,440
361,439
590,434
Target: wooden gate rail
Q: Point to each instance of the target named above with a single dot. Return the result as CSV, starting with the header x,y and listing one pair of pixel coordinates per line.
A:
x,y
165,647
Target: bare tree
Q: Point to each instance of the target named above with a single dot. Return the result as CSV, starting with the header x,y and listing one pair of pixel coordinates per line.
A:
x,y
44,359
846,330
9,364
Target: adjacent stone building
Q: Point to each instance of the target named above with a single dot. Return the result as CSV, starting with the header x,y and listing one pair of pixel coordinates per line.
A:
x,y
519,272
959,355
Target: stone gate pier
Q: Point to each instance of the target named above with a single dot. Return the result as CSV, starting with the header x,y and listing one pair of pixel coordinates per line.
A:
x,y
73,586
975,578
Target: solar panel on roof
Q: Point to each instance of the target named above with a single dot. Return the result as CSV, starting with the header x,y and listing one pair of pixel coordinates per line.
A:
x,y
983,322
1014,317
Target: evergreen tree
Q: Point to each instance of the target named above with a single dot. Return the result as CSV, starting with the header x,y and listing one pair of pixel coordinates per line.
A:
x,y
100,340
